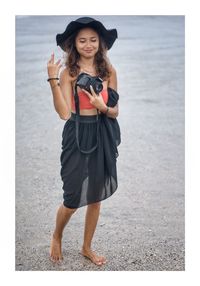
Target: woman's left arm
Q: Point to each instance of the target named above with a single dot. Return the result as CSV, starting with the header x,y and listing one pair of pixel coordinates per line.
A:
x,y
113,112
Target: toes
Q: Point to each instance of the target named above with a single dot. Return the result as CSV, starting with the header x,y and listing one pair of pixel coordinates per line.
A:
x,y
98,262
52,258
56,259
103,259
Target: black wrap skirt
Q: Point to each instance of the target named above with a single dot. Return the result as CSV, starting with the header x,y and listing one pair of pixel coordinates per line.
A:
x,y
89,178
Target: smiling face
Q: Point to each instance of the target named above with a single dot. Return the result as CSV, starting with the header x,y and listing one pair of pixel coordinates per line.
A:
x,y
87,42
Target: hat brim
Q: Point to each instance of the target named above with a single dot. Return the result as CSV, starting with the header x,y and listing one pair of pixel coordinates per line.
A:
x,y
109,36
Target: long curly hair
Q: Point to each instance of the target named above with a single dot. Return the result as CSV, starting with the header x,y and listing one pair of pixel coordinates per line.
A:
x,y
101,61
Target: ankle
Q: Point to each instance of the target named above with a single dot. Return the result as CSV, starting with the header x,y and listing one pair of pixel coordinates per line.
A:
x,y
86,247
57,236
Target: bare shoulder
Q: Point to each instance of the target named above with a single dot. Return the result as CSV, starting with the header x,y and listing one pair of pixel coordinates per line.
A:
x,y
65,76
112,81
112,70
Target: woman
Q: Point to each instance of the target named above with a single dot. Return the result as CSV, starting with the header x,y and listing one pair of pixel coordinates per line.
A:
x,y
91,133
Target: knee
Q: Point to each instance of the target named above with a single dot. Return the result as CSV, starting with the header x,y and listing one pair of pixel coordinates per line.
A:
x,y
95,205
69,210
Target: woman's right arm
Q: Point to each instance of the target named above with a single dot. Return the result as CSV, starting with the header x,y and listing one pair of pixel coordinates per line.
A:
x,y
62,93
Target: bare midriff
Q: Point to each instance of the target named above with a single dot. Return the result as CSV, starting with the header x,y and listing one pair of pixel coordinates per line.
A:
x,y
86,111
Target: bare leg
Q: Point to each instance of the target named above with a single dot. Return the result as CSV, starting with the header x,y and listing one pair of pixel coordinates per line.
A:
x,y
63,216
91,220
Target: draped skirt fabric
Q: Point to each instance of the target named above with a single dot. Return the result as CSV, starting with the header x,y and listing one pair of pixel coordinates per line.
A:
x,y
89,178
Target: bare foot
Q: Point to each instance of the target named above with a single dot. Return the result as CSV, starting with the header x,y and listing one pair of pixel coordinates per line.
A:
x,y
96,259
55,249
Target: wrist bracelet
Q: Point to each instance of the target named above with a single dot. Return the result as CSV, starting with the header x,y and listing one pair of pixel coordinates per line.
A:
x,y
51,78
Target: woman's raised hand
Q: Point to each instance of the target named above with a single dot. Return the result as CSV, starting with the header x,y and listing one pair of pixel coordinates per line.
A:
x,y
53,68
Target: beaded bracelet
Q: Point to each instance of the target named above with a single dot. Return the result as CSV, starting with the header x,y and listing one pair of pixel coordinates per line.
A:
x,y
51,78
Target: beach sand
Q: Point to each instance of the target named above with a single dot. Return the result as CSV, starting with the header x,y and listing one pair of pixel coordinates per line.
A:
x,y
141,227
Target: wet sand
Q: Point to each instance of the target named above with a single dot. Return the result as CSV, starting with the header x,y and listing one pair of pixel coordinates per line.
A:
x,y
141,227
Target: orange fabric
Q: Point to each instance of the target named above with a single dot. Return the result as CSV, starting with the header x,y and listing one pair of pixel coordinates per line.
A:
x,y
84,101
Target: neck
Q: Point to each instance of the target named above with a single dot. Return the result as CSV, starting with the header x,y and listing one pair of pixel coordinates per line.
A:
x,y
86,62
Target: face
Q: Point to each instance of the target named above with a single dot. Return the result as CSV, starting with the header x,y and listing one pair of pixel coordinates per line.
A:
x,y
87,42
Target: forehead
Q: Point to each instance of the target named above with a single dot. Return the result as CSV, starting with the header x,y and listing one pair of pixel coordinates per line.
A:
x,y
87,33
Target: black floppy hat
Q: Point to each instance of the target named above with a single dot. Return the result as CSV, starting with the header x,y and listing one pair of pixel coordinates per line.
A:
x,y
109,36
